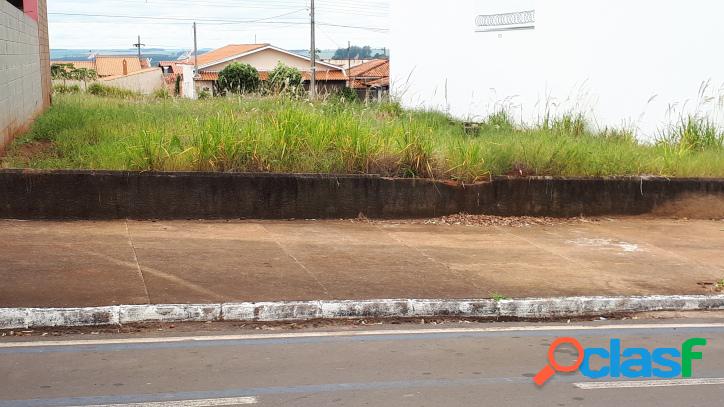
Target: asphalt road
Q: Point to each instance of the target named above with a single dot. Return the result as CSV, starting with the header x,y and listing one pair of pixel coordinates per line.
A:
x,y
394,365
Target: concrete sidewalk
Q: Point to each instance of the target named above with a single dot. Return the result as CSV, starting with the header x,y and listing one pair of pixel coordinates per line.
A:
x,y
74,264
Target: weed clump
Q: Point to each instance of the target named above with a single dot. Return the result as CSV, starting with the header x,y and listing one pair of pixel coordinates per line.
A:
x,y
98,89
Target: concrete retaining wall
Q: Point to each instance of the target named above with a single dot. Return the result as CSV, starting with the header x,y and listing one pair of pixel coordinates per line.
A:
x,y
24,68
27,194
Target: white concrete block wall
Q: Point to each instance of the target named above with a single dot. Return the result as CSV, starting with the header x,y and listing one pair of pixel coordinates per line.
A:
x,y
21,93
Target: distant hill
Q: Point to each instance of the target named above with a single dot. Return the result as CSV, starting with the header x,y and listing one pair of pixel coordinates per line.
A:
x,y
155,54
161,54
324,54
329,53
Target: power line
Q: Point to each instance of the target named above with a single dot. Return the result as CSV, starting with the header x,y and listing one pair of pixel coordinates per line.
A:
x,y
217,20
380,10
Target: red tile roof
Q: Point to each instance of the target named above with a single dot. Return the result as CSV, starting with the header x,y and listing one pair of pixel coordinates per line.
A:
x,y
77,64
382,82
208,76
111,66
226,52
108,65
326,76
378,68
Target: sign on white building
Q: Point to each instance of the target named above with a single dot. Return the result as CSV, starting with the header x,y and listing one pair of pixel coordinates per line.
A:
x,y
639,64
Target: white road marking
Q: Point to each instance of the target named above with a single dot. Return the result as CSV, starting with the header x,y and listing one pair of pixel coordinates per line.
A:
x,y
187,403
423,331
649,383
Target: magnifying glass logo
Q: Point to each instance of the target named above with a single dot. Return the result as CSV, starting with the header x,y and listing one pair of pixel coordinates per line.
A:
x,y
553,367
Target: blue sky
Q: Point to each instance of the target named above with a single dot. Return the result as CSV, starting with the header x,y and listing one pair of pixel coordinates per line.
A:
x,y
97,24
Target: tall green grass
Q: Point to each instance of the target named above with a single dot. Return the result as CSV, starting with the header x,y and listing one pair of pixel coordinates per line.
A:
x,y
275,134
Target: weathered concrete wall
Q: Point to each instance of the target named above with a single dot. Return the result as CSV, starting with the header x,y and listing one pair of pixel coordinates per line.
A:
x,y
29,194
24,69
145,82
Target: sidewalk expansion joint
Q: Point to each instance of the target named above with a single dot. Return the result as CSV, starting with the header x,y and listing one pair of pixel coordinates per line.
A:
x,y
138,265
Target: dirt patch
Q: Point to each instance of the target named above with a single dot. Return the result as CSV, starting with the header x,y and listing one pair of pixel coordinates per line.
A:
x,y
25,153
464,219
693,206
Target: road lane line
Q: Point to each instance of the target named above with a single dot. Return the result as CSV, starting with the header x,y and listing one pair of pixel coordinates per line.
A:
x,y
294,335
648,383
233,401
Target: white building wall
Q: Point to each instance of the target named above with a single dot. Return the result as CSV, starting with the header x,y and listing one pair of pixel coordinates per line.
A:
x,y
639,64
21,88
145,82
188,88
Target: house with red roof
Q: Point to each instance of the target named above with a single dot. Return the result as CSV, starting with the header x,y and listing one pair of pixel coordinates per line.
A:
x,y
371,79
263,57
110,65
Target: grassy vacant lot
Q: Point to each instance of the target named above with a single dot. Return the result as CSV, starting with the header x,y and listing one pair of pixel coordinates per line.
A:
x,y
283,135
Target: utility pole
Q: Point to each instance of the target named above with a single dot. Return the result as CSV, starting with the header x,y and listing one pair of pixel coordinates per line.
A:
x,y
313,83
349,63
139,45
196,53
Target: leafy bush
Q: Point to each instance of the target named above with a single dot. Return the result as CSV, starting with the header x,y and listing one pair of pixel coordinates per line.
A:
x,y
177,86
694,133
347,94
60,71
70,72
65,89
284,78
499,121
111,91
162,93
238,78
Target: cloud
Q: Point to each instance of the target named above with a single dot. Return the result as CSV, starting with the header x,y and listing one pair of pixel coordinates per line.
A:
x,y
168,23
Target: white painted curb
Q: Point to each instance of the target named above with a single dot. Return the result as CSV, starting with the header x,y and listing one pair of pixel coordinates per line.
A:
x,y
527,308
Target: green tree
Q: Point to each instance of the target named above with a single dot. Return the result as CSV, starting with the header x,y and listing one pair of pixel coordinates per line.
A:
x,y
57,71
238,78
70,72
354,52
84,74
62,72
284,78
